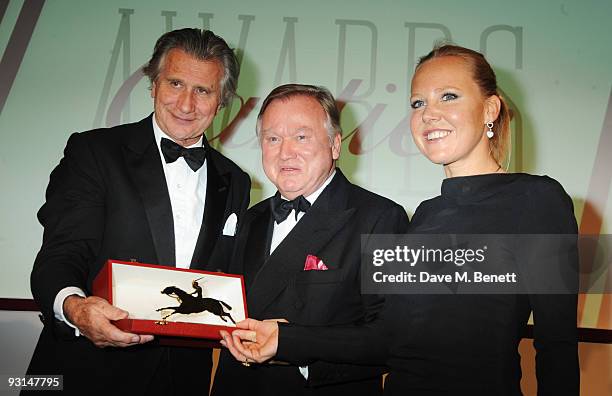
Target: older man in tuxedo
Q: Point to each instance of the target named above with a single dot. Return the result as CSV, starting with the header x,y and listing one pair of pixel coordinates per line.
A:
x,y
299,250
153,191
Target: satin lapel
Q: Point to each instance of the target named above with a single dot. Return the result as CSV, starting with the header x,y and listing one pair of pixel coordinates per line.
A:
x,y
315,231
214,208
144,166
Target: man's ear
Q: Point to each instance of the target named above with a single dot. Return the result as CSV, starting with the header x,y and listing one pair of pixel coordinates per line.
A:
x,y
336,146
153,89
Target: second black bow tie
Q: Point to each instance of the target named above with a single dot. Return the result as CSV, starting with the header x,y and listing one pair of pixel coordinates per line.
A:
x,y
172,151
281,208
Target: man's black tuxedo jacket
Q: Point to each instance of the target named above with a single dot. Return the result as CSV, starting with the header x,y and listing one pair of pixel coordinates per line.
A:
x,y
278,287
108,199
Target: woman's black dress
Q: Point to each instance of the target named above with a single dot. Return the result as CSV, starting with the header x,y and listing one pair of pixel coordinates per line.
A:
x,y
467,344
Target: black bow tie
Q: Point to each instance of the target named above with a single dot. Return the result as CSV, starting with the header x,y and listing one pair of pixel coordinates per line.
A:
x,y
194,156
281,207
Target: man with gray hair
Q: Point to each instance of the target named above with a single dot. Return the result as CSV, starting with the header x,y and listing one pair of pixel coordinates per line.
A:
x,y
299,251
153,191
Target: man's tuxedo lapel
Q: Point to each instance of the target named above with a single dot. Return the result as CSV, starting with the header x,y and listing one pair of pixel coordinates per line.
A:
x,y
257,246
313,232
144,166
217,188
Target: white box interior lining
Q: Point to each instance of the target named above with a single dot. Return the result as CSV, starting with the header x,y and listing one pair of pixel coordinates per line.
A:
x,y
138,290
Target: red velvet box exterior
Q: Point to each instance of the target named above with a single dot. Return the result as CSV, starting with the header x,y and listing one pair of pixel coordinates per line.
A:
x,y
171,330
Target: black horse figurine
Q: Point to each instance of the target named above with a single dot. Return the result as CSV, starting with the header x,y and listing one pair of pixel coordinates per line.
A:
x,y
195,304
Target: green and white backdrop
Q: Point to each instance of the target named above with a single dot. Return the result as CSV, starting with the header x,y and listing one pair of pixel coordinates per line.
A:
x,y
74,65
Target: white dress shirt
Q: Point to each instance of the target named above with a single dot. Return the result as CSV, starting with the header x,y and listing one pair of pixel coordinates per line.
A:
x,y
283,229
187,190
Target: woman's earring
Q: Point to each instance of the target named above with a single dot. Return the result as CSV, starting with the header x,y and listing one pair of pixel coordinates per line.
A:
x,y
490,132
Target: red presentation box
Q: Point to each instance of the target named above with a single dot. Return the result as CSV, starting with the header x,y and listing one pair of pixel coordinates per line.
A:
x,y
151,293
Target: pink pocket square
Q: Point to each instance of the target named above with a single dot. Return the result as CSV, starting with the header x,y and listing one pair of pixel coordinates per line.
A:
x,y
313,263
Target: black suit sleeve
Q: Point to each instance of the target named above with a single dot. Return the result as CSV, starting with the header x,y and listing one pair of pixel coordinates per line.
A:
x,y
235,265
345,346
73,221
555,315
244,187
